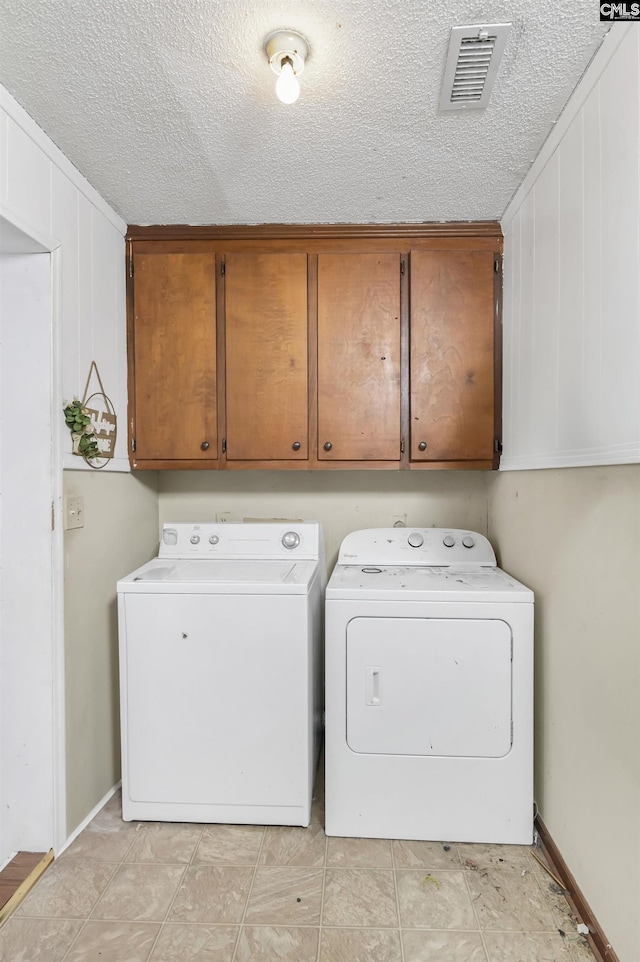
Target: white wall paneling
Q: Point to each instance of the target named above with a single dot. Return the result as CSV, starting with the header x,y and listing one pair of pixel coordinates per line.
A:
x,y
46,205
28,177
572,397
45,195
572,279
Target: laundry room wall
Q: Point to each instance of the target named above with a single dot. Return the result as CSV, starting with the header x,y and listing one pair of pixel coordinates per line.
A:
x,y
120,533
572,343
342,501
43,196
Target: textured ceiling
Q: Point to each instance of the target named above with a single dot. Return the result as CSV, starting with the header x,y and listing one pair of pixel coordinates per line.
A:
x,y
168,106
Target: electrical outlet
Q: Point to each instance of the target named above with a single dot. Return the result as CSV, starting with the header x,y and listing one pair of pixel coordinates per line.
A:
x,y
223,516
73,512
399,520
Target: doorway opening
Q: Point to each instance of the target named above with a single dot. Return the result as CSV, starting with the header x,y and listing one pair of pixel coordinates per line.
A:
x,y
32,796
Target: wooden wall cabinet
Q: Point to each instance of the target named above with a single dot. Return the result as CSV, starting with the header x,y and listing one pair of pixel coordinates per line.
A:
x,y
172,350
359,357
266,357
452,406
315,348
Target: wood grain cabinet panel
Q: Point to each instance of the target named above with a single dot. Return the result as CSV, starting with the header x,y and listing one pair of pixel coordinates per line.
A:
x,y
452,355
315,346
359,357
174,347
266,356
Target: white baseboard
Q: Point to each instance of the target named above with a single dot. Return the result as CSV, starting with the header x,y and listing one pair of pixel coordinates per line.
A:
x,y
7,860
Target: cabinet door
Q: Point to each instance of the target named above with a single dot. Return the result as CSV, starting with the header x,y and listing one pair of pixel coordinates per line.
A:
x,y
175,357
266,356
359,357
451,344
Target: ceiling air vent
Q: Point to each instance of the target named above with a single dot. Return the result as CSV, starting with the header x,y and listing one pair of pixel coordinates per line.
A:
x,y
472,64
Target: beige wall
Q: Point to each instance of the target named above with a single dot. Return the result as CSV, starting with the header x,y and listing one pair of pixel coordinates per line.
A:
x,y
342,501
573,535
120,533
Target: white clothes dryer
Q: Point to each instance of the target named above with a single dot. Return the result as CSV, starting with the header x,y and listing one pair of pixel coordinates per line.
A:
x,y
429,690
221,674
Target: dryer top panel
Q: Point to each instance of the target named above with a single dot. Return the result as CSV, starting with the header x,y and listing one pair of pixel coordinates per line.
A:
x,y
414,583
417,546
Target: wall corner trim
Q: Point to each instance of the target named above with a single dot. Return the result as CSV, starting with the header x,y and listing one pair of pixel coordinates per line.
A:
x,y
28,125
71,462
581,458
89,818
39,241
598,942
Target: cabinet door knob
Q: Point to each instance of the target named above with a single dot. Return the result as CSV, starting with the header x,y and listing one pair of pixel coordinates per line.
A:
x,y
295,446
204,446
422,446
327,445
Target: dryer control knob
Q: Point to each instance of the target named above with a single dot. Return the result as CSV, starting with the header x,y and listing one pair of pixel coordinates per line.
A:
x,y
291,539
195,539
214,539
415,539
448,541
468,542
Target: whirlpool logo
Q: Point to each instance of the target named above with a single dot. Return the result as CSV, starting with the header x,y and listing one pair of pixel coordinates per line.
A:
x,y
620,11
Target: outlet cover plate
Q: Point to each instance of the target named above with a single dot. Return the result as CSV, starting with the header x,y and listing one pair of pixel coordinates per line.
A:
x,y
73,512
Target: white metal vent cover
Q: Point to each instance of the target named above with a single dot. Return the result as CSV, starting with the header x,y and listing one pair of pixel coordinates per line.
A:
x,y
473,60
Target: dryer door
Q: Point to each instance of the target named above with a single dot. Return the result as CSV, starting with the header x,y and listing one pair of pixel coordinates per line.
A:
x,y
429,686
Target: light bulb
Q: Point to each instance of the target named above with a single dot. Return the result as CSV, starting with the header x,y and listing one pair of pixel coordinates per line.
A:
x,y
287,87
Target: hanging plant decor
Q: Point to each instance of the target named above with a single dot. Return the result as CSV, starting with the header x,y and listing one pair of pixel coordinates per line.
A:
x,y
82,431
93,424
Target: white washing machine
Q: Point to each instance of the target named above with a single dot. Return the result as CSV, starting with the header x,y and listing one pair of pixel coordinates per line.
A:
x,y
429,690
221,674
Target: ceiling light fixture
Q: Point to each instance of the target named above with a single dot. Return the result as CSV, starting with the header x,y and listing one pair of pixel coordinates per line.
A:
x,y
286,52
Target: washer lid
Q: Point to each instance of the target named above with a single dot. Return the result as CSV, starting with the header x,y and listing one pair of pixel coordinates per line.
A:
x,y
413,583
165,576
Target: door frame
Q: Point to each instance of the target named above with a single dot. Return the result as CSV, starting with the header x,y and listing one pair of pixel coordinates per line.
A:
x,y
17,236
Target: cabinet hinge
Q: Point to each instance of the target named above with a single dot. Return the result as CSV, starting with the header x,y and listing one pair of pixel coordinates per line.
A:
x,y
224,445
133,444
130,259
497,446
222,269
496,265
401,445
402,266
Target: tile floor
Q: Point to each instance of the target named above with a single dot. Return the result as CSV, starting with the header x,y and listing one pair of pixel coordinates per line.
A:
x,y
161,892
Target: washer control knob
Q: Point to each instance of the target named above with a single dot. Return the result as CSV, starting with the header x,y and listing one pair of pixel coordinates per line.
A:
x,y
214,539
468,541
291,539
448,541
415,539
195,539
